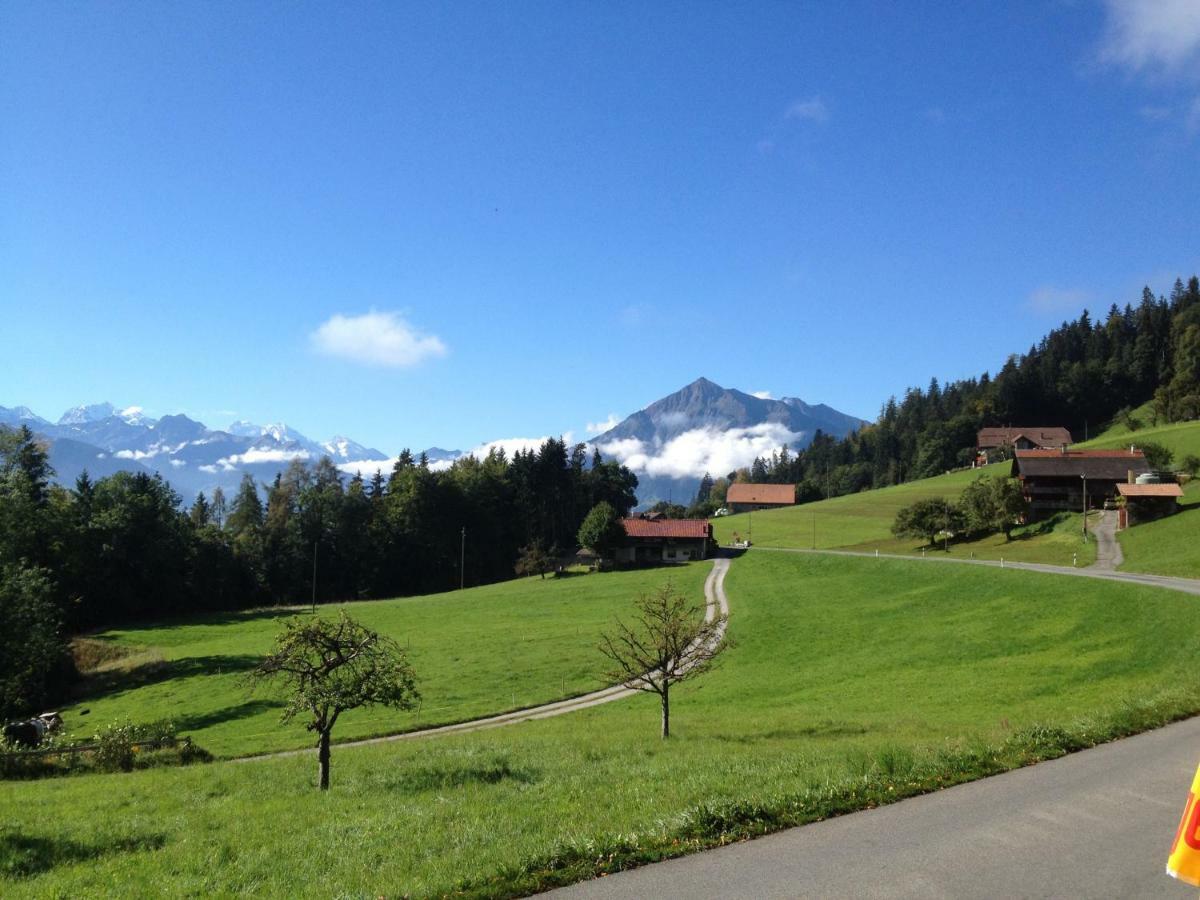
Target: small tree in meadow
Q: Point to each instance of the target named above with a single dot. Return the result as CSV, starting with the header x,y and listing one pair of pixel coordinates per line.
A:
x,y
927,518
669,642
992,504
329,667
534,560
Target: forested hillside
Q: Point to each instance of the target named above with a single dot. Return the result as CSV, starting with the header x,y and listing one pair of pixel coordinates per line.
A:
x,y
1081,375
121,549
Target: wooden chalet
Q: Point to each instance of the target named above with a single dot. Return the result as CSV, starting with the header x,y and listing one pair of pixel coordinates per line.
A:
x,y
665,540
749,497
1055,479
989,441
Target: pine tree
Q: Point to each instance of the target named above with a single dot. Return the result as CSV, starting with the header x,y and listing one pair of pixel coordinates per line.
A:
x,y
218,507
201,511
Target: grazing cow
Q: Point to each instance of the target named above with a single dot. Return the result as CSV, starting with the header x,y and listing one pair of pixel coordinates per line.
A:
x,y
33,731
24,734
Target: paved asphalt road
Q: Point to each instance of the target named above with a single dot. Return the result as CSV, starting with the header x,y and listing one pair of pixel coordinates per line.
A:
x,y
1094,824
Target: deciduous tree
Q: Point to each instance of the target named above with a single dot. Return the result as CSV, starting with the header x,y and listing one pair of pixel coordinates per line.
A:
x,y
669,642
329,667
601,530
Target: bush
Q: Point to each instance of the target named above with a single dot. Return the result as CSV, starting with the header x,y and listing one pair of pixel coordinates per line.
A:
x,y
121,747
1190,464
119,744
114,747
1158,457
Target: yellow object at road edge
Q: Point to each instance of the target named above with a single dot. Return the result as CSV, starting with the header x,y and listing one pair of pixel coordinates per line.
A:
x,y
1183,862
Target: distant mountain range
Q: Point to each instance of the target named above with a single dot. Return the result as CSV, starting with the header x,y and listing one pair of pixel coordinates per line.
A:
x,y
104,439
670,444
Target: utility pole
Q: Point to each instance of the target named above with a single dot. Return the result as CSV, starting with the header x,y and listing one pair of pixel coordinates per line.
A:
x,y
462,560
1084,477
314,578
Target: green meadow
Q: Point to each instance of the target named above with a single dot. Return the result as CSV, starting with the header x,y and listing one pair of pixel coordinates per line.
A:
x,y
1181,438
1169,546
851,681
479,651
863,522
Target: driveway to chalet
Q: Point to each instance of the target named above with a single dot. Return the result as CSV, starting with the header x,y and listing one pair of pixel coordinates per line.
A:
x,y
1186,585
1108,548
716,602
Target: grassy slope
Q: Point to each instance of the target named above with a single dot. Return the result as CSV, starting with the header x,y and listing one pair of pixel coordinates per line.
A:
x,y
479,651
1168,546
1181,438
838,660
863,522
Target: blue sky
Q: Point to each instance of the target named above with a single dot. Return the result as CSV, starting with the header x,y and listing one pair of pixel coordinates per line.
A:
x,y
452,223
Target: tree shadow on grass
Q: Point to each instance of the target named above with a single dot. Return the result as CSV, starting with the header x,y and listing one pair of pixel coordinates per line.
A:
x,y
198,721
1040,527
454,775
26,855
816,730
158,670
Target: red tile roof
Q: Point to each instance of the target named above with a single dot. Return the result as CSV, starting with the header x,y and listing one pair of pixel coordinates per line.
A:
x,y
782,494
1081,454
1041,436
667,528
1149,490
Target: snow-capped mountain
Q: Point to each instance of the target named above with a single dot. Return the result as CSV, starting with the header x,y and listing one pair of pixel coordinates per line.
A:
x,y
21,415
98,412
342,450
104,439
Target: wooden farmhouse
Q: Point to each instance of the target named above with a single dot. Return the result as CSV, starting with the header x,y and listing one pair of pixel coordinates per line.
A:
x,y
1055,480
749,497
989,441
665,540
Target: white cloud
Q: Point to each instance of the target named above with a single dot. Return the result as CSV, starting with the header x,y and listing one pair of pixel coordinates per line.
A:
x,y
1050,299
1149,34
179,463
211,470
811,110
607,425
137,454
368,467
762,395
508,445
256,455
376,338
701,450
